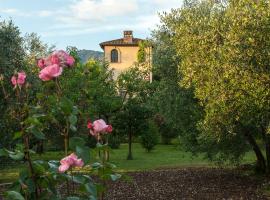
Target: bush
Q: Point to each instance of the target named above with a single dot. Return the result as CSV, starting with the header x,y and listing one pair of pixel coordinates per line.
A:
x,y
167,133
114,141
150,138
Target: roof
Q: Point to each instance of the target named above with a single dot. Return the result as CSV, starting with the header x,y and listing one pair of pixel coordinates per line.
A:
x,y
121,42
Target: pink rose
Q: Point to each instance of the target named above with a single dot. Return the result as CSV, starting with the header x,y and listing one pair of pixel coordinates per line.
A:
x,y
70,161
109,129
14,80
41,63
89,125
55,60
65,59
21,78
99,126
70,61
60,58
50,72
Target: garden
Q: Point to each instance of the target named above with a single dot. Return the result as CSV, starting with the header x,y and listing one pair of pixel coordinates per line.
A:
x,y
200,130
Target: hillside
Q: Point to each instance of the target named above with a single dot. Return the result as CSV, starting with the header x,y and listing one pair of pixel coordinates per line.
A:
x,y
87,54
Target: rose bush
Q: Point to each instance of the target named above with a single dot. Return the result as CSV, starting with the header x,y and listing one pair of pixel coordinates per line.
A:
x,y
41,179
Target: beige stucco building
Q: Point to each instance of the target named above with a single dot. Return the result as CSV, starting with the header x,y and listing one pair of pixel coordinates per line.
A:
x,y
122,53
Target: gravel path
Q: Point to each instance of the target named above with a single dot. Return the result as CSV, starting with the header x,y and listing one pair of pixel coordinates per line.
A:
x,y
187,183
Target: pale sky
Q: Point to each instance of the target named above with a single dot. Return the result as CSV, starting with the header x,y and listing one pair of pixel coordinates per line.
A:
x,y
84,23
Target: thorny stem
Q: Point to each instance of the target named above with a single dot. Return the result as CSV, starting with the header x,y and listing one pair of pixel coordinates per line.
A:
x,y
59,91
4,91
28,158
66,135
73,186
103,170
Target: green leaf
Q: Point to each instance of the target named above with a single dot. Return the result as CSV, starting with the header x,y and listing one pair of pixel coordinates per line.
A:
x,y
115,177
30,185
72,119
75,110
17,135
16,155
53,164
96,165
38,115
83,152
91,188
38,134
79,179
76,141
73,198
13,195
23,175
92,197
73,128
3,152
66,106
38,167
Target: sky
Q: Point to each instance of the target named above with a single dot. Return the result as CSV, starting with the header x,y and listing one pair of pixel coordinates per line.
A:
x,y
85,23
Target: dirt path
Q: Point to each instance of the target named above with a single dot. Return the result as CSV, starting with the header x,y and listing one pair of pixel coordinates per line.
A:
x,y
188,183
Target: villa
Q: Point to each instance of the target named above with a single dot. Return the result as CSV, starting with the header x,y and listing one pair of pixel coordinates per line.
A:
x,y
122,53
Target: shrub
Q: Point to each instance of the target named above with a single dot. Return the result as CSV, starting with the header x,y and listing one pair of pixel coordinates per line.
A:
x,y
167,133
150,138
114,141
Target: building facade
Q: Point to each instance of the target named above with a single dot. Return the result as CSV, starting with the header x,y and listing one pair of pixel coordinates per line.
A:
x,y
122,53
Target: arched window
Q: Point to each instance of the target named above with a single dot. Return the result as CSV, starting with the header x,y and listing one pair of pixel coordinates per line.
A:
x,y
114,56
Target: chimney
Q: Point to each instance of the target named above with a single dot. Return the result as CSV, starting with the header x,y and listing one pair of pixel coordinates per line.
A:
x,y
128,36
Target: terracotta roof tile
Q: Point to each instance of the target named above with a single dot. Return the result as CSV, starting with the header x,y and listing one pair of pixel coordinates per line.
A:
x,y
121,42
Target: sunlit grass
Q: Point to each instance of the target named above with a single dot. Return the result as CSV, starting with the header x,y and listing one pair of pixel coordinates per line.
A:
x,y
162,156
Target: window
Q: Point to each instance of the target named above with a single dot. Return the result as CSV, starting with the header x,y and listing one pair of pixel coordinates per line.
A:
x,y
114,56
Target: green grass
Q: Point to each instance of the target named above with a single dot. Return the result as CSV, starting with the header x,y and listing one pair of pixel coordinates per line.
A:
x,y
163,156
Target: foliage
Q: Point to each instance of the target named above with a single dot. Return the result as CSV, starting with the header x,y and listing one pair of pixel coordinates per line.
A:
x,y
132,118
115,141
225,59
167,133
53,107
141,56
11,60
149,139
177,110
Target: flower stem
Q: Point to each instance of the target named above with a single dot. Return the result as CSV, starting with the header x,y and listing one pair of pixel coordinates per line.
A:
x,y
28,158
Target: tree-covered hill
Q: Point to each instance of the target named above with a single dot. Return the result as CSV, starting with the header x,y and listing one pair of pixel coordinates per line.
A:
x,y
86,54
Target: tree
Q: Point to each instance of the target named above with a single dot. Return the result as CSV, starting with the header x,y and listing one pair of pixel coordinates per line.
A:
x,y
225,59
133,116
11,60
132,121
177,108
149,138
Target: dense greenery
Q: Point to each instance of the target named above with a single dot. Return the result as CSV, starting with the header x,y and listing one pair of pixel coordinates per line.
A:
x,y
177,109
150,137
210,91
224,51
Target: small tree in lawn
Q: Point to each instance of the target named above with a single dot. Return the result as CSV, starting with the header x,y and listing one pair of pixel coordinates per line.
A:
x,y
132,119
150,137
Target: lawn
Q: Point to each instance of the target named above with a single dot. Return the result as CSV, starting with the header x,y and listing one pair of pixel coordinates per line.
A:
x,y
162,157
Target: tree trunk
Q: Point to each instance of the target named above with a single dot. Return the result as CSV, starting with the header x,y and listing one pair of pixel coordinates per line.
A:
x,y
261,166
40,149
266,139
267,150
129,157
